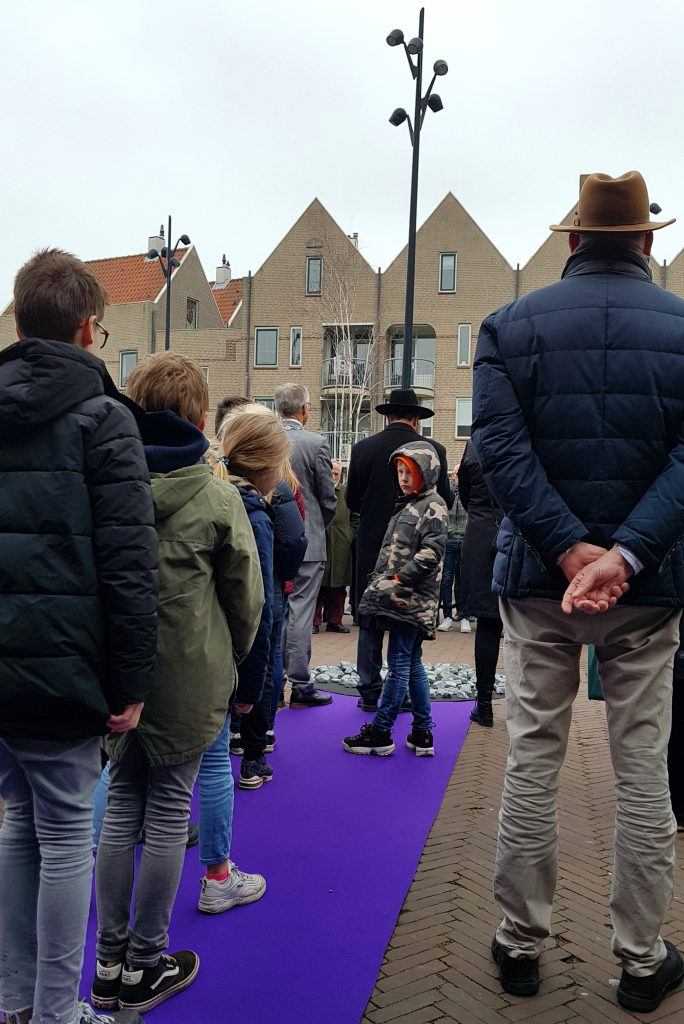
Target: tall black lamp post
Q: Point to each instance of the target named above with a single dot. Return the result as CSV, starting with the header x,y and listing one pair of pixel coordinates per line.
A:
x,y
168,263
414,49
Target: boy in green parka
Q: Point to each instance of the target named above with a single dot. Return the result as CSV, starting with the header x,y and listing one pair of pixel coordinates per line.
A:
x,y
210,600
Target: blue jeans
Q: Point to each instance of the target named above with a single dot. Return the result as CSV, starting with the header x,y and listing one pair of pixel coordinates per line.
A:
x,y
46,865
216,792
277,665
406,672
450,593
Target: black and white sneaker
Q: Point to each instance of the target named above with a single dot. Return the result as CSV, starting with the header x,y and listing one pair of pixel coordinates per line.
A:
x,y
270,742
421,742
253,774
369,741
104,993
143,990
88,1016
235,744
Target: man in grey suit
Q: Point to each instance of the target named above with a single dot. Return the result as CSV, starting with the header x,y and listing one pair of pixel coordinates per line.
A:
x,y
312,466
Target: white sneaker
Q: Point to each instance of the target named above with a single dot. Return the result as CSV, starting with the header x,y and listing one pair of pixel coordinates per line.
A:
x,y
238,888
465,626
445,625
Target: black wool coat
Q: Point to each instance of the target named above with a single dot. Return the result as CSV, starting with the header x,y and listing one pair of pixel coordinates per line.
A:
x,y
479,542
578,424
78,547
372,492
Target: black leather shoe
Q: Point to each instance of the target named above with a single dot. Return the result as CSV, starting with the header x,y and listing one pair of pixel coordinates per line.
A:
x,y
367,705
315,631
193,835
314,699
518,977
645,994
482,714
337,629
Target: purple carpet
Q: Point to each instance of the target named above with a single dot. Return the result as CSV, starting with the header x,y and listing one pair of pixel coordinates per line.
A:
x,y
338,838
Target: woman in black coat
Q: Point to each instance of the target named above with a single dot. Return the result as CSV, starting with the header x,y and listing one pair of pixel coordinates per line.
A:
x,y
477,569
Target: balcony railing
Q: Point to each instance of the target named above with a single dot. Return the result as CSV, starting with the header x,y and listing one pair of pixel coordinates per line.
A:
x,y
339,372
422,374
342,441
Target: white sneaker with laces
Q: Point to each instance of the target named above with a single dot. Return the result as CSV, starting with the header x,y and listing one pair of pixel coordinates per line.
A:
x,y
465,626
239,888
445,625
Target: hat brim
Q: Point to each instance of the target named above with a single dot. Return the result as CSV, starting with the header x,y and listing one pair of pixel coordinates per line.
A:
x,y
411,410
649,225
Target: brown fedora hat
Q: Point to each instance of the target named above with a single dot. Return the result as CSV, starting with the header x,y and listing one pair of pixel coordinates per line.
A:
x,y
613,204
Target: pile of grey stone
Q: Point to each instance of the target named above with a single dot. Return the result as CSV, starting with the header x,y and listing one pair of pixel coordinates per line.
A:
x,y
447,682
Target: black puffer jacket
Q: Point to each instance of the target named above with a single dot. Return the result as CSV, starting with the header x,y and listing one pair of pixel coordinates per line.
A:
x,y
579,425
78,548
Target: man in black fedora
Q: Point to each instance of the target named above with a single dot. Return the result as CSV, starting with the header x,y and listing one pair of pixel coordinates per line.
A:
x,y
372,493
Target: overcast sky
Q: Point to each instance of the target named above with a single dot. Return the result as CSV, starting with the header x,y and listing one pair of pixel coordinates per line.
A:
x,y
274,102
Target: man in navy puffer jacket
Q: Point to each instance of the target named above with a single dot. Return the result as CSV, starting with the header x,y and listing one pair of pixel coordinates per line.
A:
x,y
579,429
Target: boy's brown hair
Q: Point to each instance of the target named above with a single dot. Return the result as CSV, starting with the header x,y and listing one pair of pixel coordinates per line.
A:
x,y
225,406
54,293
170,381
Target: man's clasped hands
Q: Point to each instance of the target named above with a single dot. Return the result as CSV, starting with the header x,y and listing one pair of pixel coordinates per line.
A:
x,y
597,578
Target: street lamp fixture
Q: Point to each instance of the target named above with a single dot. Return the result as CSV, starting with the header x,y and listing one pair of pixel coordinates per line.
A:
x,y
414,48
168,262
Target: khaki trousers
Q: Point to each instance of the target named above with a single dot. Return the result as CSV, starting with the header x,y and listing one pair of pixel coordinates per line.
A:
x,y
635,648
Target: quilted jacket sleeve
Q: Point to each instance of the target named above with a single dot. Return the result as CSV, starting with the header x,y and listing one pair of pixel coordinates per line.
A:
x,y
238,578
656,523
290,541
125,545
514,474
252,671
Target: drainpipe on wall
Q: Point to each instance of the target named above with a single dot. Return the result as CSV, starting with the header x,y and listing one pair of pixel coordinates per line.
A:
x,y
378,346
517,280
248,319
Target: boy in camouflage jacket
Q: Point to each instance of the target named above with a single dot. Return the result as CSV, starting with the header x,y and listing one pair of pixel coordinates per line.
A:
x,y
403,593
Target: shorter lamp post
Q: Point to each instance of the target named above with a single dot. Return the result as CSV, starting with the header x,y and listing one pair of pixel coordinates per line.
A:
x,y
414,48
168,263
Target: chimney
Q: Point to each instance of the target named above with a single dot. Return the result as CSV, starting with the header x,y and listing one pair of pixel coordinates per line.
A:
x,y
354,239
223,274
156,241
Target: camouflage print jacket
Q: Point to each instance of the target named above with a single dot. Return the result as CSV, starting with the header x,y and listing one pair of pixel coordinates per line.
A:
x,y
412,551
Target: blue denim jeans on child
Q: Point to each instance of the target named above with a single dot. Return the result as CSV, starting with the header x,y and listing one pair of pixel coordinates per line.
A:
x,y
46,864
216,791
405,672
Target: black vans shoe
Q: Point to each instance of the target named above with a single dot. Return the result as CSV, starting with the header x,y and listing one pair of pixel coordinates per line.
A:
x,y
369,741
518,977
645,994
421,741
104,994
143,990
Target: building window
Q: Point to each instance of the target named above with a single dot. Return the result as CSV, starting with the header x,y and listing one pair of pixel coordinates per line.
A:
x,y
427,426
447,272
266,346
205,371
192,314
314,275
295,346
127,360
268,402
463,344
464,416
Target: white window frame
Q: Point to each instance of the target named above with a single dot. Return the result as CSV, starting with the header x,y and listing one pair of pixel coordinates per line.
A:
x,y
459,401
268,402
188,300
122,353
301,339
448,291
205,371
256,345
459,361
308,261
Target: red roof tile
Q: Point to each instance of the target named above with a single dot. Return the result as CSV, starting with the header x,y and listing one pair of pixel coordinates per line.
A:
x,y
127,278
228,298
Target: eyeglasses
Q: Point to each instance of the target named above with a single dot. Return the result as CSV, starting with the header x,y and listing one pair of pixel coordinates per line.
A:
x,y
103,331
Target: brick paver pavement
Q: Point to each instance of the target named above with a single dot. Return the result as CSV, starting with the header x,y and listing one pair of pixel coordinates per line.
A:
x,y
437,967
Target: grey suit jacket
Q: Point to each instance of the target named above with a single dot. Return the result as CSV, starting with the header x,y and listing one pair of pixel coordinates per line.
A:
x,y
313,468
